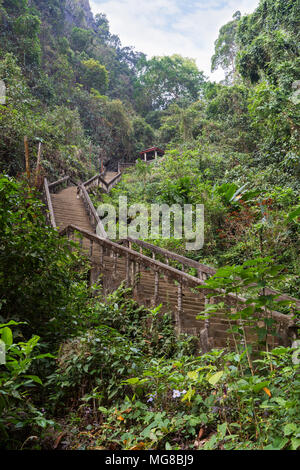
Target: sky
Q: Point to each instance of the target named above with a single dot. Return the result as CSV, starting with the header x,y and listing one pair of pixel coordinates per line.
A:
x,y
166,27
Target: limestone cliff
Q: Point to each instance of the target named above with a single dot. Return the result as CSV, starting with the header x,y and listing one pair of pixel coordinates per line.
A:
x,y
78,13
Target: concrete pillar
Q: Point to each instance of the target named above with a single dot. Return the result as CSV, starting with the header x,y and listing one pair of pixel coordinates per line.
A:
x,y
145,157
156,155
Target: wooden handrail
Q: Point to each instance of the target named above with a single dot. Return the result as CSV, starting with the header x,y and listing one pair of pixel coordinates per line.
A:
x,y
201,268
49,203
111,183
124,166
58,182
170,272
173,256
114,181
282,297
89,183
94,217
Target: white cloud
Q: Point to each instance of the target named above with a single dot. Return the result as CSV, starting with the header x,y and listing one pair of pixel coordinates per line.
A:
x,y
164,27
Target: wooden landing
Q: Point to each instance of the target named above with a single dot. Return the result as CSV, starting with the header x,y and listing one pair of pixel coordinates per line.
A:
x,y
69,209
110,175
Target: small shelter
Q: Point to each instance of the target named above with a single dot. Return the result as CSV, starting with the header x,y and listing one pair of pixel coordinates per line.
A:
x,y
151,154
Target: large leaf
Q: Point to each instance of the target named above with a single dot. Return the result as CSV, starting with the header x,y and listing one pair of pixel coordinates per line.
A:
x,y
7,336
238,192
293,215
214,379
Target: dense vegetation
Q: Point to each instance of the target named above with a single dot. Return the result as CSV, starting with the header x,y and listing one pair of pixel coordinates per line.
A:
x,y
236,150
87,372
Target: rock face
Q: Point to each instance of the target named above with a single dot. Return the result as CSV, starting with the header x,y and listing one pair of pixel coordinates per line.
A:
x,y
78,13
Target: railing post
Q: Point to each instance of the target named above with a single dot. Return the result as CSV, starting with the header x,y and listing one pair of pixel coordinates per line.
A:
x,y
115,263
242,341
207,319
133,268
179,309
91,248
137,277
156,288
101,254
127,270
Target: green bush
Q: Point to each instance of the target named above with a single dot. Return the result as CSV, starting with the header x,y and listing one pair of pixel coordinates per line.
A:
x,y
18,415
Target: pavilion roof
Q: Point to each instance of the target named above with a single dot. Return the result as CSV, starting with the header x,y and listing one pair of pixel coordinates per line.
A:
x,y
152,149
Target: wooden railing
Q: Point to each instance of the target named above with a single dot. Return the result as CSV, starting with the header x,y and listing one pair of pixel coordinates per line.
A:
x,y
47,196
91,211
124,166
107,186
61,184
203,271
94,182
134,261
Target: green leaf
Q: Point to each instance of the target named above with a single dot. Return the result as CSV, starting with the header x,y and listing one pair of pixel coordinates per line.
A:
x,y
295,441
278,444
193,375
189,395
133,381
280,351
214,379
294,214
289,429
7,336
103,409
259,386
35,378
222,429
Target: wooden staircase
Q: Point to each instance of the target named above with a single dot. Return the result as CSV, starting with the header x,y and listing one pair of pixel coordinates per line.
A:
x,y
154,282
69,209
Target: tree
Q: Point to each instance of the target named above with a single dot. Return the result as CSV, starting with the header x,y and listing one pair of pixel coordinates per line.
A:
x,y
226,48
94,75
169,79
143,133
102,24
80,39
268,59
143,170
